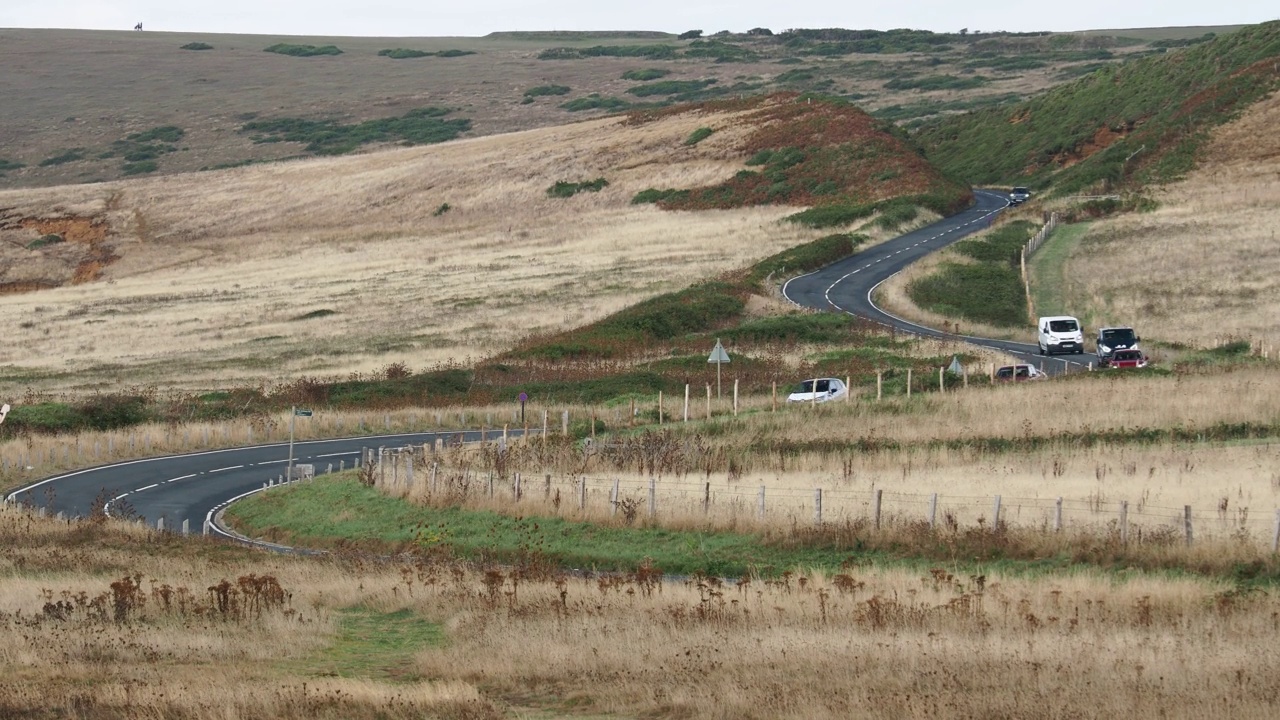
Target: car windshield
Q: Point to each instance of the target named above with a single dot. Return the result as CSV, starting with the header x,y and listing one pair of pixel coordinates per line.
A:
x,y
807,386
1021,191
1122,336
1062,326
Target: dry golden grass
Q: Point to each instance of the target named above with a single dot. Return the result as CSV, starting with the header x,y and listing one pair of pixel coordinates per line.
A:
x,y
216,267
867,642
1202,268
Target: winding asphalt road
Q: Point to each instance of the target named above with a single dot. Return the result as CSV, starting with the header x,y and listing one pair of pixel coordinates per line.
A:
x,y
848,286
196,485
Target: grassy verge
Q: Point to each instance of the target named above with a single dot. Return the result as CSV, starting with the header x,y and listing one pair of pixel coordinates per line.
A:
x,y
372,644
1048,271
339,512
988,290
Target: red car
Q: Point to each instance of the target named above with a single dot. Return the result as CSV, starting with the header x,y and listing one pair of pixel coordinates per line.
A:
x,y
1127,359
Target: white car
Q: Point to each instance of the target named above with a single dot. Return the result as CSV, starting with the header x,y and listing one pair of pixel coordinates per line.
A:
x,y
818,390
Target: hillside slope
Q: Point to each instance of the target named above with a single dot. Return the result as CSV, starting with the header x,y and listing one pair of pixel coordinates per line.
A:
x,y
1142,121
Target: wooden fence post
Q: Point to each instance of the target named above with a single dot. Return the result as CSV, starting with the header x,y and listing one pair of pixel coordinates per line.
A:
x,y
660,418
942,382
1186,523
582,494
995,516
564,423
1057,515
517,491
706,500
933,511
908,382
632,421
653,497
613,499
991,373
490,485
879,384
1275,537
686,402
817,506
760,503
964,373
774,408
708,402
875,506
848,388
1124,522
735,397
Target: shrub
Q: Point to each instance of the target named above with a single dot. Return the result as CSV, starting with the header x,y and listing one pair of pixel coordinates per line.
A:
x,y
64,157
645,75
809,256
10,165
50,239
444,208
698,135
670,87
139,168
937,82
197,46
595,102
164,133
454,53
654,52
328,137
563,189
403,53
985,292
653,195
314,314
302,50
689,35
545,90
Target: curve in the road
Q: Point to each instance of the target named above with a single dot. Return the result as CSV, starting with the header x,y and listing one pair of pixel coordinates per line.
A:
x,y
848,286
193,486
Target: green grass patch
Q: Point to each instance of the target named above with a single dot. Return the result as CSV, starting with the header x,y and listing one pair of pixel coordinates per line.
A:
x,y
595,101
565,189
403,53
196,46
377,645
10,165
982,292
809,256
800,328
1048,269
698,135
925,108
64,157
302,50
670,87
645,74
329,137
340,508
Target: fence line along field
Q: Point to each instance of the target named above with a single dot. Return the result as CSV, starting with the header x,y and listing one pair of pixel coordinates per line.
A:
x,y
251,274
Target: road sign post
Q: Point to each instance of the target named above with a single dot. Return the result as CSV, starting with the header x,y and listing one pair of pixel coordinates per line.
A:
x,y
718,356
294,412
524,398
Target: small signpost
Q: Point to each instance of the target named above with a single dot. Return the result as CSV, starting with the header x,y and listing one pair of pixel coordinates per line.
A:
x,y
524,398
718,356
296,413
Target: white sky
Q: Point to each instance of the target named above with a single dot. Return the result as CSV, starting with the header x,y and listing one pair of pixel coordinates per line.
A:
x,y
404,18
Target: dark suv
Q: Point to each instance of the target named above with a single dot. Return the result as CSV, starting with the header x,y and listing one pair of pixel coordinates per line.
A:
x,y
1111,339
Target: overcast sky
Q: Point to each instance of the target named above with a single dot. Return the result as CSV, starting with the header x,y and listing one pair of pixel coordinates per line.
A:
x,y
477,17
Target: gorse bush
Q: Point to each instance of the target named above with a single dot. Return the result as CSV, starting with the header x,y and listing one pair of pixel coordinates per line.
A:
x,y
670,87
698,135
403,53
545,90
64,157
329,137
653,195
302,50
197,46
645,75
564,189
596,102
655,52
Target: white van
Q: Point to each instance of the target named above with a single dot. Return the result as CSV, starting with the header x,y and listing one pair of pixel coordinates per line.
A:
x,y
1060,334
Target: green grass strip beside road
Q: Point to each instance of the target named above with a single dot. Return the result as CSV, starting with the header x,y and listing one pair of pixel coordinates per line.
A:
x,y
339,511
1048,271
